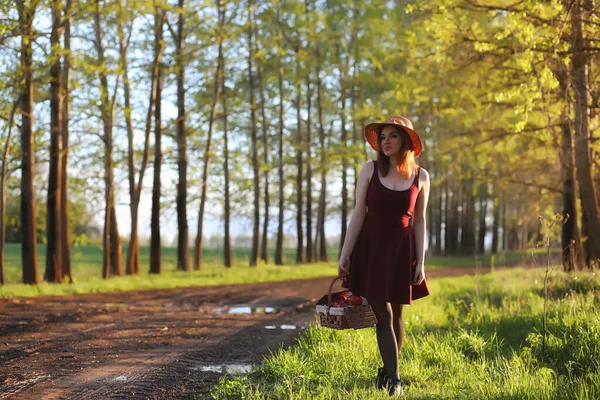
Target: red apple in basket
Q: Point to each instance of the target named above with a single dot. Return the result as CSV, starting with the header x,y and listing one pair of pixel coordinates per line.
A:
x,y
354,300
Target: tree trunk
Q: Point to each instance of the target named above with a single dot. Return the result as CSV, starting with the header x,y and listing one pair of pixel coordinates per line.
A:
x,y
227,205
28,220
116,247
279,243
482,214
107,139
452,219
133,251
208,148
344,140
503,219
299,150
589,199
183,253
66,116
266,167
496,223
54,247
572,249
437,250
322,240
357,6
310,252
3,176
155,250
255,167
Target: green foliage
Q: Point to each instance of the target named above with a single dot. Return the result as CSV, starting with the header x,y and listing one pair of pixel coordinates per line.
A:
x,y
458,345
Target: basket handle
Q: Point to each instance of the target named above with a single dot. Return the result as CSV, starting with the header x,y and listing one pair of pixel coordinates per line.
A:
x,y
329,291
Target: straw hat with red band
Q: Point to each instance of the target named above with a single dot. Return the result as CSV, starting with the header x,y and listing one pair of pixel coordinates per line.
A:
x,y
372,131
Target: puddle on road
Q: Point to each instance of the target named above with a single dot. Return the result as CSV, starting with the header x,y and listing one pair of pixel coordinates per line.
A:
x,y
121,378
245,310
284,327
231,369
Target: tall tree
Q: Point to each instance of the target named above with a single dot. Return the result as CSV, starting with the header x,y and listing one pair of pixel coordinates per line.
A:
x,y
253,134
266,164
208,147
279,242
579,75
27,11
227,199
111,242
54,235
320,239
3,176
66,116
310,252
155,250
299,157
183,255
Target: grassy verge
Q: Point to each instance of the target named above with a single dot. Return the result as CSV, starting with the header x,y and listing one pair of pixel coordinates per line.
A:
x,y
87,267
473,338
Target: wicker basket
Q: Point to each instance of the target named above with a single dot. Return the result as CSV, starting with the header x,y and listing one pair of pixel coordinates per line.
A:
x,y
355,317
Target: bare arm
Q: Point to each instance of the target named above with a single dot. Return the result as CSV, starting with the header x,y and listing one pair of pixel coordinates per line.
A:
x,y
419,225
358,216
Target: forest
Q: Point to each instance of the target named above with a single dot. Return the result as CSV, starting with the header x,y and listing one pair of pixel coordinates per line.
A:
x,y
254,110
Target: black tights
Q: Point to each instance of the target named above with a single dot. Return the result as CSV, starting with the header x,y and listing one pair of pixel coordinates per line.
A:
x,y
390,333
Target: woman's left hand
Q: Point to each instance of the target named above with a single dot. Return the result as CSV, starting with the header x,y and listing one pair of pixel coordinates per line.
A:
x,y
419,274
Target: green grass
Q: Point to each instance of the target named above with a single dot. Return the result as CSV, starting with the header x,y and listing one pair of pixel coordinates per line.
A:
x,y
476,337
87,268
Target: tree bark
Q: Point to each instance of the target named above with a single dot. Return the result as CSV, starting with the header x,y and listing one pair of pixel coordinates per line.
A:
x,y
54,247
266,167
28,220
3,176
208,148
227,205
482,214
452,223
155,250
106,116
322,240
572,249
66,116
133,251
437,250
310,251
589,199
496,223
253,133
344,143
183,253
299,151
279,243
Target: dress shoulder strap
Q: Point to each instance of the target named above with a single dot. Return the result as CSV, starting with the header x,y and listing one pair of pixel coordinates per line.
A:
x,y
416,181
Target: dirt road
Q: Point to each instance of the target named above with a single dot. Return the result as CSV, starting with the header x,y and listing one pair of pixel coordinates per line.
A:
x,y
152,344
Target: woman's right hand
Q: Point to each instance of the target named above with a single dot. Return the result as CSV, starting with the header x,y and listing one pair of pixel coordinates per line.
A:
x,y
344,267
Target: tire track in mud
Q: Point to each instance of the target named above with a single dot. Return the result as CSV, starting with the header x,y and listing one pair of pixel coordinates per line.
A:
x,y
152,344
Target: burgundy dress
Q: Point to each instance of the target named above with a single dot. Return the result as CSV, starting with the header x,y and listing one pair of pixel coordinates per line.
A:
x,y
384,258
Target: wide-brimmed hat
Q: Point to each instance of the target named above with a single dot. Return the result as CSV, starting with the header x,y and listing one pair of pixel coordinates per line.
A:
x,y
374,129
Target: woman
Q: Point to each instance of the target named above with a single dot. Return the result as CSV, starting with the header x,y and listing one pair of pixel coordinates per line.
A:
x,y
383,253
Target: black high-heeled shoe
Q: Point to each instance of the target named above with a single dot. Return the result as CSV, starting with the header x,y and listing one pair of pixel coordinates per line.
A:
x,y
394,387
381,379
